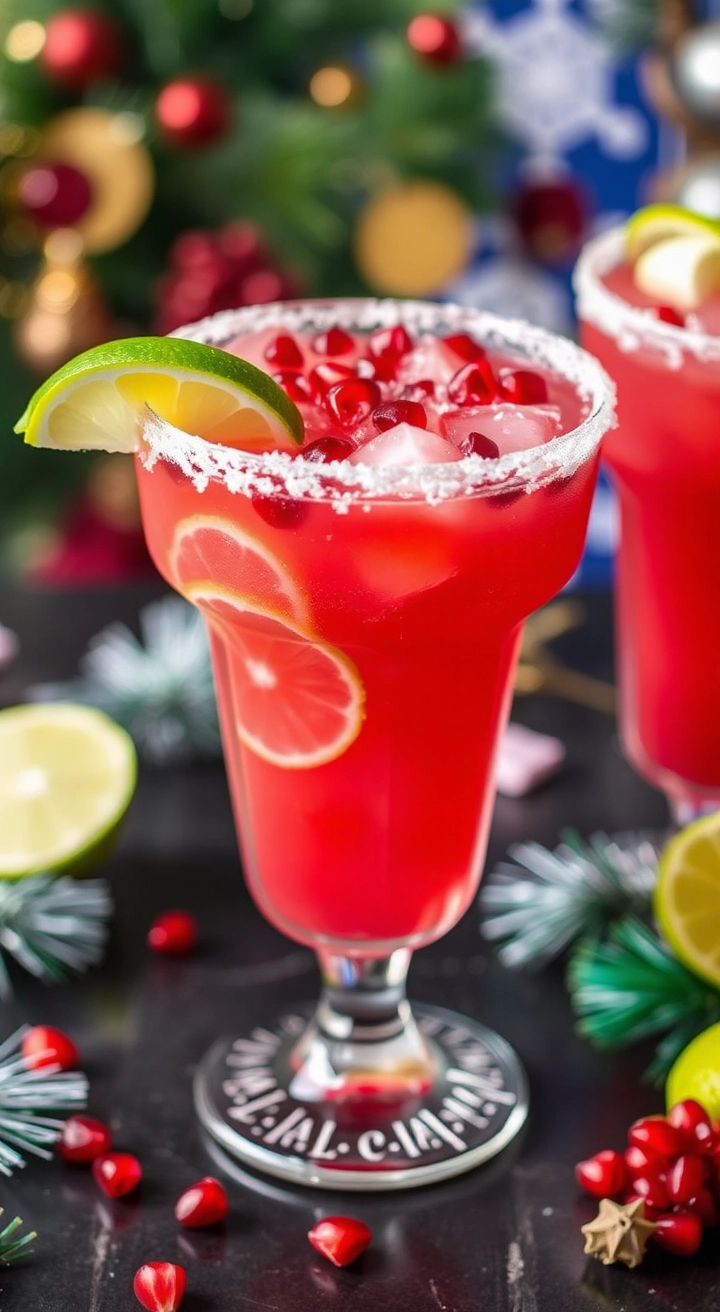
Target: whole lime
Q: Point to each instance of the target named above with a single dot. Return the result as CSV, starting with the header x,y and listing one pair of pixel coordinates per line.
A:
x,y
696,1073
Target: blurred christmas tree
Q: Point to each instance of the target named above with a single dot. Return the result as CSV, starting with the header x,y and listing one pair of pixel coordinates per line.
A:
x,y
163,159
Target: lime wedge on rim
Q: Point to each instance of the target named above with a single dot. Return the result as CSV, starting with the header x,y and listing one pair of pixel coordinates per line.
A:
x,y
659,222
67,774
95,402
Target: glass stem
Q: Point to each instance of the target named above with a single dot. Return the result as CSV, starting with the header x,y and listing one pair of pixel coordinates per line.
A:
x,y
363,1038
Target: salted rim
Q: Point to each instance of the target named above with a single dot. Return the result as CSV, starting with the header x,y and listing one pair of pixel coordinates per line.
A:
x,y
278,473
633,327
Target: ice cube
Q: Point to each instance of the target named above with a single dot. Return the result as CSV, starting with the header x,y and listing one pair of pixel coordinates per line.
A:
x,y
406,445
511,427
428,359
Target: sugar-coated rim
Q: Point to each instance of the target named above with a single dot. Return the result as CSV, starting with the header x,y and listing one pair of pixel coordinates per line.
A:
x,y
278,473
632,327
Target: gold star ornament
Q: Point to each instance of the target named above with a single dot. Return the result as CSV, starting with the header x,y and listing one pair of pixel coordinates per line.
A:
x,y
619,1233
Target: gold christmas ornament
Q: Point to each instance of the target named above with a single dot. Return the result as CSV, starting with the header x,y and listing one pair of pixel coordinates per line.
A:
x,y
413,238
336,87
65,312
619,1233
107,148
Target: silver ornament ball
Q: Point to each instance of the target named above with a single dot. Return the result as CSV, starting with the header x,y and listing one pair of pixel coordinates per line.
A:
x,y
699,188
695,71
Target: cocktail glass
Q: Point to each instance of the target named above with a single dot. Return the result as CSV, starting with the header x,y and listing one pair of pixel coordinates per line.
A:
x,y
364,625
665,462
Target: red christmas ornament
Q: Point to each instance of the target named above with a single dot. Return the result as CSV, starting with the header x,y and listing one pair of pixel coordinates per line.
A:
x,y
204,1203
54,195
45,1046
117,1174
434,38
82,1139
551,218
193,112
159,1286
174,933
340,1238
81,46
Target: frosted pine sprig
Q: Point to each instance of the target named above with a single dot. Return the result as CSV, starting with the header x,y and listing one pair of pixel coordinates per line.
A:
x,y
52,926
26,1097
11,1246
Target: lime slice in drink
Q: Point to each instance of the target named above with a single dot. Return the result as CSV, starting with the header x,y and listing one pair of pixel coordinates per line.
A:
x,y
96,401
680,271
687,896
67,774
656,223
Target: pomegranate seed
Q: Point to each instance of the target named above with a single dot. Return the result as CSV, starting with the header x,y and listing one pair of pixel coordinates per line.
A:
x,y
117,1173
294,385
668,314
650,1213
159,1286
465,346
477,444
352,401
686,1178
603,1175
704,1206
639,1162
326,449
284,351
334,342
679,1232
327,375
45,1046
340,1238
653,1190
655,1135
204,1203
174,933
419,390
523,387
693,1125
280,512
82,1139
399,412
473,384
391,343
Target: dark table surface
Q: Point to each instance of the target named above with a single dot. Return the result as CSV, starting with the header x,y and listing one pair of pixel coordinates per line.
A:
x,y
504,1238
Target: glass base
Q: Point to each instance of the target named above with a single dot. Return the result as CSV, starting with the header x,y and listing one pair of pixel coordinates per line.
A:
x,y
476,1104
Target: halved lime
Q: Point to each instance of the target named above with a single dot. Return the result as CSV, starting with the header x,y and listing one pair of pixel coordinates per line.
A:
x,y
95,402
67,774
687,896
656,223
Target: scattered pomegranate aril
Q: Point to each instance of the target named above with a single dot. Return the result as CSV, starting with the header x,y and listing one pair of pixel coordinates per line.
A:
x,y
668,314
393,342
324,450
685,1178
327,375
204,1203
523,387
279,512
477,444
419,390
604,1175
294,385
82,1139
341,1239
284,351
704,1206
679,1232
693,1125
399,412
465,346
334,342
174,934
653,1191
159,1286
352,401
639,1161
117,1174
44,1046
656,1135
473,384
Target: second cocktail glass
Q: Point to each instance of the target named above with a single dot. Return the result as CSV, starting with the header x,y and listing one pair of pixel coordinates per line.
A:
x,y
364,625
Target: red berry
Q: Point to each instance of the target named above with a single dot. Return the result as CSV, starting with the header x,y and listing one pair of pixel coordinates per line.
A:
x,y
295,385
159,1286
693,1126
326,375
334,342
279,512
465,346
117,1173
44,1046
204,1203
655,1135
434,38
523,387
389,343
326,449
686,1178
704,1206
653,1190
477,444
399,412
604,1175
82,1139
679,1232
668,314
174,933
284,351
354,400
340,1238
474,384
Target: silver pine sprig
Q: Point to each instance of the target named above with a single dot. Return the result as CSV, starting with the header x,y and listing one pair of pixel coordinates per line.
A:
x,y
538,904
52,926
27,1097
12,1245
